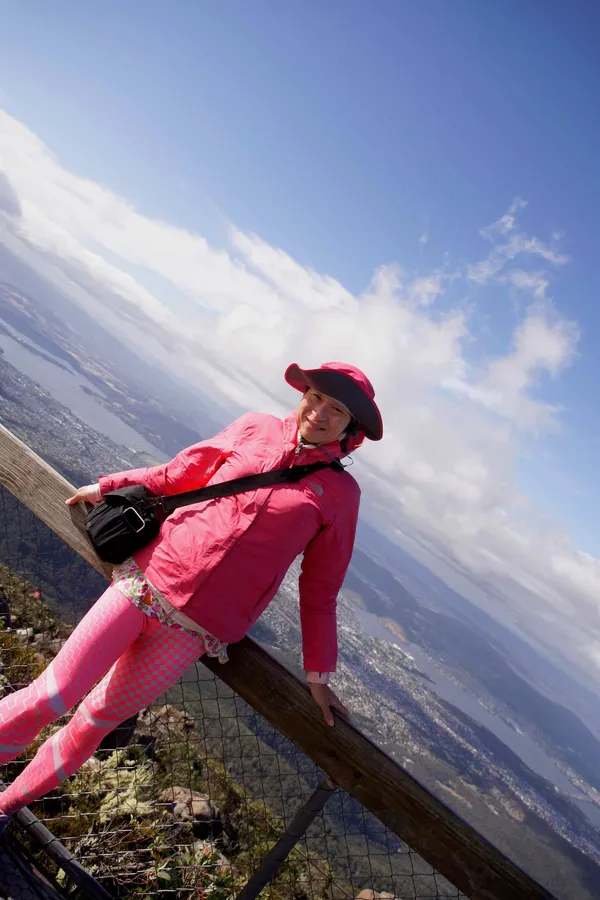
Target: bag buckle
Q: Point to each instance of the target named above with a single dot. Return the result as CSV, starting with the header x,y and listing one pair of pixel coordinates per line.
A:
x,y
133,517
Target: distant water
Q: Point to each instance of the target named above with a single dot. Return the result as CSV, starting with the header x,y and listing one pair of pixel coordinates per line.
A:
x,y
522,744
66,388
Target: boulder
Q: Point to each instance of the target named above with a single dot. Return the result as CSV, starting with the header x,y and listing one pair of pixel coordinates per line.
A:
x,y
189,806
373,895
157,730
25,633
163,722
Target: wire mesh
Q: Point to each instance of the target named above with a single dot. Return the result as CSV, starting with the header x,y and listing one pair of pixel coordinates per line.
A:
x,y
186,798
19,879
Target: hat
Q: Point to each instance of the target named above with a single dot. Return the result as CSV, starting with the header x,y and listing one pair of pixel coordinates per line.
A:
x,y
348,385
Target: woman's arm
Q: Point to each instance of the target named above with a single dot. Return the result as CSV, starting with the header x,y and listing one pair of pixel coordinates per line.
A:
x,y
324,566
192,468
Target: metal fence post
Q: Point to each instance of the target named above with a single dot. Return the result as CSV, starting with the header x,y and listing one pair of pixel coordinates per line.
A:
x,y
273,861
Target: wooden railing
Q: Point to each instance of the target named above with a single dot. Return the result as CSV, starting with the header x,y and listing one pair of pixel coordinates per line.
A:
x,y
349,758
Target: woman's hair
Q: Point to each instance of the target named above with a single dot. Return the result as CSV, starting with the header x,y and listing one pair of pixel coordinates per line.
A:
x,y
350,432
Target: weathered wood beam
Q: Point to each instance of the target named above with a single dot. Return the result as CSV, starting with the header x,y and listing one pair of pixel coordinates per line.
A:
x,y
354,762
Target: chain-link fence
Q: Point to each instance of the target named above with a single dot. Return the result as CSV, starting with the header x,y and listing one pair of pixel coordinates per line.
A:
x,y
187,798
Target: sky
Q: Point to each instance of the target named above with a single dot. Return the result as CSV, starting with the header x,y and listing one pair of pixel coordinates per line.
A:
x,y
412,187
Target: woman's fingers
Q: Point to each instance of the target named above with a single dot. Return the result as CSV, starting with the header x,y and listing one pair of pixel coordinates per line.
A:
x,y
321,695
327,701
327,714
88,494
338,705
343,711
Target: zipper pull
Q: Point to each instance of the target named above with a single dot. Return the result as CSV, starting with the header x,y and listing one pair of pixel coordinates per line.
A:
x,y
297,451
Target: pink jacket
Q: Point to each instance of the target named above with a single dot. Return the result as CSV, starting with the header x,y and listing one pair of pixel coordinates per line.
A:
x,y
221,562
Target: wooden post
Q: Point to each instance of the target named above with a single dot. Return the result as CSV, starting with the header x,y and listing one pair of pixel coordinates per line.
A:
x,y
349,758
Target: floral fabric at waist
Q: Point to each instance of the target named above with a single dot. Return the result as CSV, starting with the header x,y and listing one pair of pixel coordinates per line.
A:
x,y
134,585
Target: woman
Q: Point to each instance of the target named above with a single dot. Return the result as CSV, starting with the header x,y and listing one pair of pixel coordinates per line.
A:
x,y
207,577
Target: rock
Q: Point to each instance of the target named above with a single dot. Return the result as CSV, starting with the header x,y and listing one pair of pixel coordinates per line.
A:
x,y
189,806
373,895
157,729
25,633
46,643
166,719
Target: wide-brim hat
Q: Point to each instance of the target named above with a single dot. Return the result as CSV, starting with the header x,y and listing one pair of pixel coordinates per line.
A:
x,y
346,384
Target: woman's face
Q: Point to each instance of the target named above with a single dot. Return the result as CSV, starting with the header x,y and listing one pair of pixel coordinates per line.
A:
x,y
321,419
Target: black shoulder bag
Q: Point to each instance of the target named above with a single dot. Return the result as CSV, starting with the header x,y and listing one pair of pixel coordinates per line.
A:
x,y
127,519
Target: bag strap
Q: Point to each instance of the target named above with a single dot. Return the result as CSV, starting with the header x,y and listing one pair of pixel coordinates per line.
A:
x,y
246,483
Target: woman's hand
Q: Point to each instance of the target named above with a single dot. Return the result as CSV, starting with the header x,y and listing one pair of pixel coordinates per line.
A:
x,y
327,700
88,494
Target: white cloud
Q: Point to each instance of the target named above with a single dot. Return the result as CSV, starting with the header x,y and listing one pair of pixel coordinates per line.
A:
x,y
9,202
444,472
508,244
507,222
534,283
540,345
426,289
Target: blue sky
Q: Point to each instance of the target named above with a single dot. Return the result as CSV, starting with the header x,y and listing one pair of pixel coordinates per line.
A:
x,y
322,126
351,135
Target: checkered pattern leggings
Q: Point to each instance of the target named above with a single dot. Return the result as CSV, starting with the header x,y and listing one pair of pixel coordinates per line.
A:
x,y
136,657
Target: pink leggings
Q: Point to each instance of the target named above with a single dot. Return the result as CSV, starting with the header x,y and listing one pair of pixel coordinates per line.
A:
x,y
139,658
